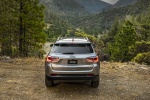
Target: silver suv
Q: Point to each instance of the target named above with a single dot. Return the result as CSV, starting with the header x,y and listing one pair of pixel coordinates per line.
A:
x,y
72,60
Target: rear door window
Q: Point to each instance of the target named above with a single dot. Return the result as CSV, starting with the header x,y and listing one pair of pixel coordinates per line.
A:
x,y
72,48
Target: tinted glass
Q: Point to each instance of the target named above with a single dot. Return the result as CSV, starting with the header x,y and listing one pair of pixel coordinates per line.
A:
x,y
72,48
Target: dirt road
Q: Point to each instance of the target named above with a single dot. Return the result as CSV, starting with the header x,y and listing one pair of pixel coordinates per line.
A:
x,y
23,79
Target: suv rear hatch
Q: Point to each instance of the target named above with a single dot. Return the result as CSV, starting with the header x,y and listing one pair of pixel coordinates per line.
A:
x,y
72,57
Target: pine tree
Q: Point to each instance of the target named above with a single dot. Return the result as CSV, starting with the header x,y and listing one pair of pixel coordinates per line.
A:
x,y
7,26
22,23
31,27
125,38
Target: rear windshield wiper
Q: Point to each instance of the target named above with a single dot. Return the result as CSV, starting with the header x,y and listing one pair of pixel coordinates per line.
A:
x,y
68,53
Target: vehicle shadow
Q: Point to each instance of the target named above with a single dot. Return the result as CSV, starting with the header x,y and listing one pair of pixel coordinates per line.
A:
x,y
69,91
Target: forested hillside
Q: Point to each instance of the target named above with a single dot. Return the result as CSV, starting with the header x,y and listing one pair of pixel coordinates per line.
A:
x,y
111,27
75,7
81,7
56,26
21,31
100,22
91,24
129,37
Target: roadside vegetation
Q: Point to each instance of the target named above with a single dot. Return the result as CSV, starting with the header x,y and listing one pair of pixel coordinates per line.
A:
x,y
129,39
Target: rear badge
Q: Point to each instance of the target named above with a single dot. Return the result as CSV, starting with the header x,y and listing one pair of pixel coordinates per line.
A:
x,y
72,57
72,62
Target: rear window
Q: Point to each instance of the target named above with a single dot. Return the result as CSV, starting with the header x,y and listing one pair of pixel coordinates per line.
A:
x,y
72,48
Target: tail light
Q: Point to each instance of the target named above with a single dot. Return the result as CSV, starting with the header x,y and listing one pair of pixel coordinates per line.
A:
x,y
92,59
52,59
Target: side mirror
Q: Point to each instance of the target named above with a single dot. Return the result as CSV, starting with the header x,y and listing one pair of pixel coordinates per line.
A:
x,y
51,45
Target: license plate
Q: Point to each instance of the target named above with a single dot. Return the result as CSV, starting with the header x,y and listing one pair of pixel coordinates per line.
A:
x,y
72,61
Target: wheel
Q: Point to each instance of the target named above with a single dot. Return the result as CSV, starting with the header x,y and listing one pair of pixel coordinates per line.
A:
x,y
95,83
49,83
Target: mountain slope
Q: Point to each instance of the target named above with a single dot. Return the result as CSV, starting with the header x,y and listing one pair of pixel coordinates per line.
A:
x,y
81,7
93,5
122,3
97,23
69,6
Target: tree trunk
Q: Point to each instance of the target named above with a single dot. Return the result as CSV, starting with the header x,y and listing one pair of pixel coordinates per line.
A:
x,y
21,29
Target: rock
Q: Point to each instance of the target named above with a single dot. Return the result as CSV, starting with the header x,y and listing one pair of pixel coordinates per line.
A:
x,y
6,59
2,58
143,68
105,62
131,63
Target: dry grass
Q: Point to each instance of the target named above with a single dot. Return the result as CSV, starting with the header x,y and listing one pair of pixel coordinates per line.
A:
x,y
23,79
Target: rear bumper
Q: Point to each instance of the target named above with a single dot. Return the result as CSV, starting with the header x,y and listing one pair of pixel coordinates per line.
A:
x,y
72,70
74,77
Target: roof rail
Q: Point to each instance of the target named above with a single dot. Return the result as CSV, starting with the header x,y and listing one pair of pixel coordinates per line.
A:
x,y
87,38
59,38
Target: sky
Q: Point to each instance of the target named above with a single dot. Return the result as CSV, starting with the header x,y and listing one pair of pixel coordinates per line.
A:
x,y
110,1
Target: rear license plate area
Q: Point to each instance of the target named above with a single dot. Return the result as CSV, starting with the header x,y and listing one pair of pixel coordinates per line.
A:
x,y
72,61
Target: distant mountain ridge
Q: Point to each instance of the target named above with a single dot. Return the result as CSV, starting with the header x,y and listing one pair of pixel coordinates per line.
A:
x,y
82,6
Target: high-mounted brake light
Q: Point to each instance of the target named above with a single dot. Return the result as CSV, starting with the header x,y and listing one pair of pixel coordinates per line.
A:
x,y
92,59
52,59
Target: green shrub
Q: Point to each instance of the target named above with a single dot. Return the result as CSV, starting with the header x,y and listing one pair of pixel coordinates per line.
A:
x,y
142,58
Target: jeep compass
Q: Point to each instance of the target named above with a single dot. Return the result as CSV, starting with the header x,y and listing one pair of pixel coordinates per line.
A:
x,y
72,60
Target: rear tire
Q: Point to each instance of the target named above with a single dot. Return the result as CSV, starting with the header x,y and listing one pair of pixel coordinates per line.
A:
x,y
95,83
49,83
